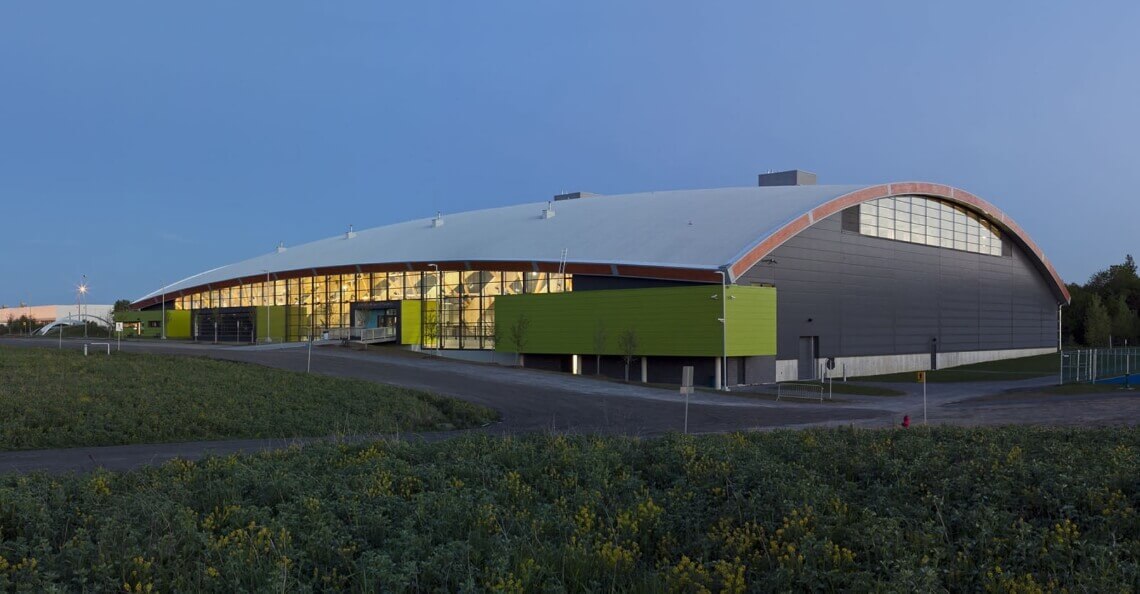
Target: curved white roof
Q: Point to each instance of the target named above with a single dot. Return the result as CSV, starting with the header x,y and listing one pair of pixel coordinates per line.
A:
x,y
694,229
686,234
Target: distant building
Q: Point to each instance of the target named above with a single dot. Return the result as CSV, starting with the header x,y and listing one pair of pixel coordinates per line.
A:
x,y
867,279
46,314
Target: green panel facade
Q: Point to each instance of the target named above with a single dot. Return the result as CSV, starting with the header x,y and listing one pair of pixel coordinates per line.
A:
x,y
670,321
177,324
411,316
149,323
270,320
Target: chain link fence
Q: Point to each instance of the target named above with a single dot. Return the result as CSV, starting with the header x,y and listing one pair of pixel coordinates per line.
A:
x,y
1119,365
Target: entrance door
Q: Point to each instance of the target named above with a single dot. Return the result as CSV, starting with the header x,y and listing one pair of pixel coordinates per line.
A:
x,y
809,349
229,324
368,316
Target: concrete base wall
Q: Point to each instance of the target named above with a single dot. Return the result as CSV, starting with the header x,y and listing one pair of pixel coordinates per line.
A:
x,y
788,369
968,357
476,355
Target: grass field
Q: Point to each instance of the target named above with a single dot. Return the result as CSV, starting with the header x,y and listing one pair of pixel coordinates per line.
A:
x,y
980,510
991,371
53,399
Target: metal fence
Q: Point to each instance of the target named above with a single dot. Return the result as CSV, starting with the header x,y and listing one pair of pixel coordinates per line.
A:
x,y
806,391
1099,365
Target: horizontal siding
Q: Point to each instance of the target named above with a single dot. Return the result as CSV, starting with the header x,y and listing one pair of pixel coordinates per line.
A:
x,y
668,321
870,296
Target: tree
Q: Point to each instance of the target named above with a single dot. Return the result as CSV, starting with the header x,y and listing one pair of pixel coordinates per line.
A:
x,y
627,345
1118,290
1118,279
25,324
1073,316
518,334
121,305
1123,321
431,326
599,346
1097,323
497,335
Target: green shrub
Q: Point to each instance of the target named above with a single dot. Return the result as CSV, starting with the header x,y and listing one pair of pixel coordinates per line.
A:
x,y
1019,509
54,399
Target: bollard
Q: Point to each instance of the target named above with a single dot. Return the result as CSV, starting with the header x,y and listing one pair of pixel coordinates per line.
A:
x,y
84,350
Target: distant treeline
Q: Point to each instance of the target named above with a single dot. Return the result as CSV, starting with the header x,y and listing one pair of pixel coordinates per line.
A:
x,y
1104,309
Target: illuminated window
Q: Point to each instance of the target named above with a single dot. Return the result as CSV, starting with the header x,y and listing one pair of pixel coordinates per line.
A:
x,y
316,303
928,221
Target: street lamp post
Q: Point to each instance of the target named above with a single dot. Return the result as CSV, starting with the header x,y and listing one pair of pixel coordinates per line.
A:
x,y
438,308
1060,348
79,304
723,329
163,312
268,311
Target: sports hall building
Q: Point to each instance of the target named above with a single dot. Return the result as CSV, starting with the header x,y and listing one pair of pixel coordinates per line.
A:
x,y
780,281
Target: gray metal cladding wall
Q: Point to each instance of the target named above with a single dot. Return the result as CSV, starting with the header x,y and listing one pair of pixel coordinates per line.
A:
x,y
870,296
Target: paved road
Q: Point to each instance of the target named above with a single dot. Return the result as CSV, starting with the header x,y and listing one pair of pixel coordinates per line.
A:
x,y
531,400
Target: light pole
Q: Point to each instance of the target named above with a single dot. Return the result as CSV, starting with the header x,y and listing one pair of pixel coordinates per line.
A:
x,y
1060,349
268,311
312,330
724,328
79,304
438,308
163,336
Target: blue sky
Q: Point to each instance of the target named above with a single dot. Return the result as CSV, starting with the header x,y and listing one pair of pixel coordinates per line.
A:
x,y
143,142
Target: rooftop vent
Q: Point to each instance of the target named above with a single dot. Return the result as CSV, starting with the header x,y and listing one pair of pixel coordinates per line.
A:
x,y
793,177
438,220
350,233
281,247
574,195
548,212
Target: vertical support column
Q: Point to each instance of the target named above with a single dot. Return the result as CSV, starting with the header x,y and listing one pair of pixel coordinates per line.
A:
x,y
575,365
644,370
718,373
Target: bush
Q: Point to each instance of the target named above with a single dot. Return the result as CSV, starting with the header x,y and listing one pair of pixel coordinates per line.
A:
x,y
1017,509
54,399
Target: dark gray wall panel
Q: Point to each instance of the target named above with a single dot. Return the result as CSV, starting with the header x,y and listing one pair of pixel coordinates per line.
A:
x,y
869,296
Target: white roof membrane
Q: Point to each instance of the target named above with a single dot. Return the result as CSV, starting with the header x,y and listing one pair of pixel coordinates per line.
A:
x,y
697,229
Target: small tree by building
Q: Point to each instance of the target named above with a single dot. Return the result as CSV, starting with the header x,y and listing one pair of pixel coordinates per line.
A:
x,y
1097,323
627,345
496,336
599,346
1123,321
431,327
518,334
121,305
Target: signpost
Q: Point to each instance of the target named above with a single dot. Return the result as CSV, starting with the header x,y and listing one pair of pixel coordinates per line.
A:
x,y
830,379
686,389
921,378
119,333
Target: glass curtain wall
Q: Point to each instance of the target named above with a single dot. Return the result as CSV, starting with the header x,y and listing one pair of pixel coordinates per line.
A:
x,y
465,300
917,219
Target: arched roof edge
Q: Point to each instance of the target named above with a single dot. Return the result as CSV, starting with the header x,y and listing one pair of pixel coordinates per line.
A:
x,y
765,246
